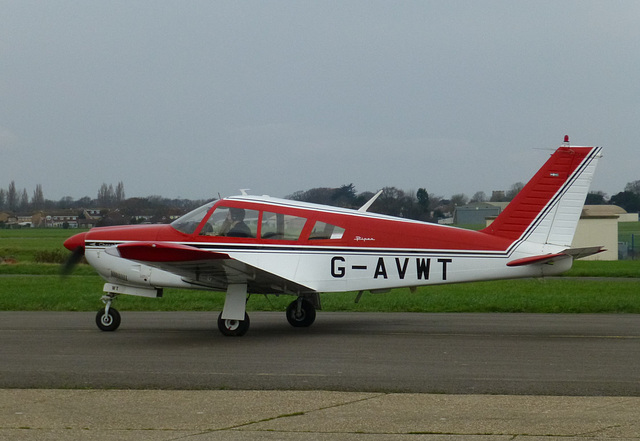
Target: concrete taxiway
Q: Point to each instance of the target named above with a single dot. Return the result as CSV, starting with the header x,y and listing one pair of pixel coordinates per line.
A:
x,y
65,415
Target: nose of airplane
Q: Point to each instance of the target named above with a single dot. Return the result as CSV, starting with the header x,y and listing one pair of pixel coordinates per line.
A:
x,y
75,242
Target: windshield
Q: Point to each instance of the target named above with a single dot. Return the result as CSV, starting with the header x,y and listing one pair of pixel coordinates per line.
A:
x,y
189,222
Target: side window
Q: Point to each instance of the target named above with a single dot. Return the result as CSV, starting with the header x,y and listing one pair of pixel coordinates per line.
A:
x,y
322,230
231,222
278,226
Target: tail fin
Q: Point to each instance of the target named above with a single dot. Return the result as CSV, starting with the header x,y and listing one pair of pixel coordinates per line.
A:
x,y
548,208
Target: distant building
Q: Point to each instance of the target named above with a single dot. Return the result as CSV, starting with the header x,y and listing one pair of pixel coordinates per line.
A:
x,y
610,210
24,220
61,219
598,226
477,212
88,223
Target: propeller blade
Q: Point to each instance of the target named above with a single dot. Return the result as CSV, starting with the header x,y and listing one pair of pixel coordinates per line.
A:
x,y
75,244
75,258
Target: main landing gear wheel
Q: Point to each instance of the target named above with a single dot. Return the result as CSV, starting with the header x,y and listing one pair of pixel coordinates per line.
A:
x,y
108,320
301,313
233,328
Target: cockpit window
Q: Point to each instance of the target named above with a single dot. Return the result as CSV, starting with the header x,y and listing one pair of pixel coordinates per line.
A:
x,y
231,222
278,226
189,222
241,222
322,230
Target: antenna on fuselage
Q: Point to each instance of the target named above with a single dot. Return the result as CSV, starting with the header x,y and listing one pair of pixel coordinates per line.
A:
x,y
243,191
370,202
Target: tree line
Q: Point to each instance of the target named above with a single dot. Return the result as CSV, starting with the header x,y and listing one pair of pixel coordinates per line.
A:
x,y
18,201
108,198
420,204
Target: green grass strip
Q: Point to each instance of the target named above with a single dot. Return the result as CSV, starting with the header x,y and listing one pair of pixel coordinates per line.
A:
x,y
566,295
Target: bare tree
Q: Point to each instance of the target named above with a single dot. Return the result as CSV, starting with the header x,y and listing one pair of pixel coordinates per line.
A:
x,y
106,195
37,202
479,196
458,200
12,197
514,190
120,192
23,204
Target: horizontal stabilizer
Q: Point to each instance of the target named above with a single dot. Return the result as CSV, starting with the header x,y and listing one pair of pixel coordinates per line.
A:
x,y
545,258
576,253
579,253
163,252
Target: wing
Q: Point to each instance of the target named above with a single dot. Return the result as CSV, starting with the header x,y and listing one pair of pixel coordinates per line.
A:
x,y
207,269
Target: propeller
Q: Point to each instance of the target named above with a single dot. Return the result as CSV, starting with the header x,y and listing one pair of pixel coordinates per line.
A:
x,y
75,244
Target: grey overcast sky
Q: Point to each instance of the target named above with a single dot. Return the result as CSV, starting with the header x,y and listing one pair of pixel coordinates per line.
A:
x,y
194,98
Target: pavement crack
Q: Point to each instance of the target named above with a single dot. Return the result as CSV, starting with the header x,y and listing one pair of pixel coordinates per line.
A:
x,y
350,402
300,413
598,431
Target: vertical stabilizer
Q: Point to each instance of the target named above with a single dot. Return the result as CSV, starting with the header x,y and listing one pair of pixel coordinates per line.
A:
x,y
548,208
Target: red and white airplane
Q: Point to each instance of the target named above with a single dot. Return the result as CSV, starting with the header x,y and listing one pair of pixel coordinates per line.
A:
x,y
248,244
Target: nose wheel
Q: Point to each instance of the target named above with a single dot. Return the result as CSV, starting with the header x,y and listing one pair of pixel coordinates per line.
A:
x,y
108,318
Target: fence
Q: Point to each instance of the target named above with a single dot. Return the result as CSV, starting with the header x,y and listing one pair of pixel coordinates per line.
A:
x,y
629,250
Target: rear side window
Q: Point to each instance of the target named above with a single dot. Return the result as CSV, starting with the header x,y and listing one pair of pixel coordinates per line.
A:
x,y
322,230
278,226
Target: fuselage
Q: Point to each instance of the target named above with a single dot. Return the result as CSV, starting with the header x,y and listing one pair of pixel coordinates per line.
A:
x,y
323,249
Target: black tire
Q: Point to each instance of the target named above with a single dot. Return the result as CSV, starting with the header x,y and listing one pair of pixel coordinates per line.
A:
x,y
233,328
108,322
306,317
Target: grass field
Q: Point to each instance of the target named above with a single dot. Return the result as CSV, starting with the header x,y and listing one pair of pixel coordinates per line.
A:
x,y
626,229
25,244
28,285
